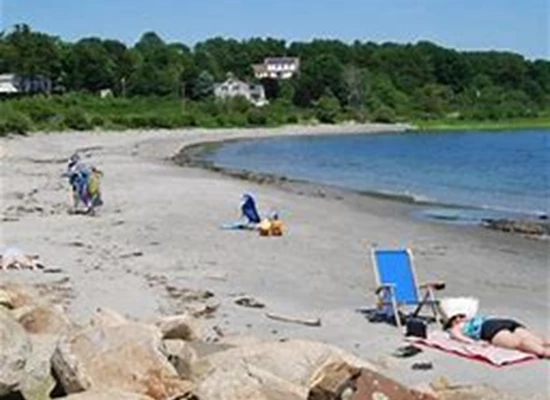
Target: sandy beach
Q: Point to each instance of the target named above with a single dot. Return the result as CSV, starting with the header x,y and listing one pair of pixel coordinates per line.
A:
x,y
159,233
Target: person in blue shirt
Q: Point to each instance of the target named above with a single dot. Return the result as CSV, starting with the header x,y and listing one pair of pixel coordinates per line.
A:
x,y
500,332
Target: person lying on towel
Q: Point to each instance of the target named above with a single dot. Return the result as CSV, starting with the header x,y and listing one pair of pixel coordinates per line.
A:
x,y
500,332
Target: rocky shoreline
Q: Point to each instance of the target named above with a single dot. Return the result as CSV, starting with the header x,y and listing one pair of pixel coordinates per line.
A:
x,y
46,355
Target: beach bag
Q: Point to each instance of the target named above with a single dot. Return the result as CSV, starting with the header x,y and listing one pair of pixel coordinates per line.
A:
x,y
265,227
416,327
277,228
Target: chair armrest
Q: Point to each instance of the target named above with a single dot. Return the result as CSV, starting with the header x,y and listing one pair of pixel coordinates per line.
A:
x,y
380,288
437,285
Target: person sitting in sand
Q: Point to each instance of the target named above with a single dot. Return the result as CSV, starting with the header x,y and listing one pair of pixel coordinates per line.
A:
x,y
500,332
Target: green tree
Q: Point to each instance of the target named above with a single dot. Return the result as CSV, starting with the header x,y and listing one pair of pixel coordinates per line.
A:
x,y
327,109
31,53
204,86
89,67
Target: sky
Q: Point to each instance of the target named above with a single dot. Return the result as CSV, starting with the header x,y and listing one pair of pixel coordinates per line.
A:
x,y
521,26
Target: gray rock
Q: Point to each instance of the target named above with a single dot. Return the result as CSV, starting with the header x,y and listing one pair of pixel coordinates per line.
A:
x,y
127,357
15,349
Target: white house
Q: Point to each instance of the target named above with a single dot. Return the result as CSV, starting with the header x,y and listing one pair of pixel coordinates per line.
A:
x,y
277,68
18,84
8,84
233,87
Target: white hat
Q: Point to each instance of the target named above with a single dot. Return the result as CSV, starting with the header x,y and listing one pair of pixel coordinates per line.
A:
x,y
452,306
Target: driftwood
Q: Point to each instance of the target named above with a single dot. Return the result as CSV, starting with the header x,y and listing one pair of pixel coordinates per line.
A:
x,y
307,322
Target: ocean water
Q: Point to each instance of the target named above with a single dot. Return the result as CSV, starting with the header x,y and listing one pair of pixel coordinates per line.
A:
x,y
494,172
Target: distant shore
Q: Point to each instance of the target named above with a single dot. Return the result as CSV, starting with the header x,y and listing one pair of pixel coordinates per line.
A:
x,y
456,125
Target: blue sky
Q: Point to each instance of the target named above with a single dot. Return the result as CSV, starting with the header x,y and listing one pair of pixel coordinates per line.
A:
x,y
521,26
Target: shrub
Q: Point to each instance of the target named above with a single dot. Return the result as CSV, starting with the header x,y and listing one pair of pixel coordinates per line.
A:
x,y
327,109
187,120
384,114
97,121
17,123
256,117
237,120
77,119
292,119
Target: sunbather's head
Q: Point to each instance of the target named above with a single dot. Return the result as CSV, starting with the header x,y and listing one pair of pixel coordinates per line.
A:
x,y
455,319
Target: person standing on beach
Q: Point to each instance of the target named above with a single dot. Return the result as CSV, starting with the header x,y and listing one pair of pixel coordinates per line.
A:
x,y
85,184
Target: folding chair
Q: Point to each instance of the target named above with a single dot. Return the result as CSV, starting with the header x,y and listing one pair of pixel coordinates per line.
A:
x,y
249,209
397,284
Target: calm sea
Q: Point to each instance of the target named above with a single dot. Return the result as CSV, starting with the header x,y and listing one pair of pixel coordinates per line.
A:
x,y
503,171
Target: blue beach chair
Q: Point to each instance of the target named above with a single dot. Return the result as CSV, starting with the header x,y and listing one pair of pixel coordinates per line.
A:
x,y
250,217
249,209
397,285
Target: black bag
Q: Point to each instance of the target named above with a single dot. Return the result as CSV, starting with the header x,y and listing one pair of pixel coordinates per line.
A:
x,y
416,327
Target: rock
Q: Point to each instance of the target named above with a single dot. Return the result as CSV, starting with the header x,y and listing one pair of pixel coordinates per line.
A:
x,y
126,357
267,371
372,385
203,310
39,382
15,349
241,341
42,319
107,395
332,380
182,356
531,228
249,302
475,392
5,300
16,296
183,327
107,317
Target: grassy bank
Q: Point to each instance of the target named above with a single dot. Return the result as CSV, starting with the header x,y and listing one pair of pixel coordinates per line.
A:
x,y
451,125
86,112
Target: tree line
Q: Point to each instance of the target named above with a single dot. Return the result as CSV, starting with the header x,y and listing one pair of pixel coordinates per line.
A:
x,y
360,80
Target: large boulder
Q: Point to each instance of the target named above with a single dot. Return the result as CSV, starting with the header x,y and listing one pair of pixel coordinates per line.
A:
x,y
42,319
268,371
183,327
182,356
106,317
39,382
15,348
13,295
107,395
127,357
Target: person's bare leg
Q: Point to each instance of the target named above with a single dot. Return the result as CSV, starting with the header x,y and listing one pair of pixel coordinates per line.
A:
x,y
514,341
506,339
529,336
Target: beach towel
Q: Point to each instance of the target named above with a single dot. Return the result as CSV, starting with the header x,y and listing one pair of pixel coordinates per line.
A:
x,y
493,355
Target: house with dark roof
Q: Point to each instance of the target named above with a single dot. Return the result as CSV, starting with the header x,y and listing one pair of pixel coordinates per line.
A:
x,y
234,87
277,68
13,84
